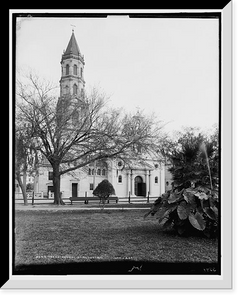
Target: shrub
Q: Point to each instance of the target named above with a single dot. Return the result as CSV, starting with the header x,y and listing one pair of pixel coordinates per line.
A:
x,y
103,190
188,209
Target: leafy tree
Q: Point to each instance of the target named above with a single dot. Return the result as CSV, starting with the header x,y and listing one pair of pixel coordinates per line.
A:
x,y
193,201
103,190
194,159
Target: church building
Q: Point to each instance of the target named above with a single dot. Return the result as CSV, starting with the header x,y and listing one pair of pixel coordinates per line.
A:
x,y
138,179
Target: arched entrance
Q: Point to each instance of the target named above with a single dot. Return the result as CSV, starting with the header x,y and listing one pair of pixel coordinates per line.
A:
x,y
139,186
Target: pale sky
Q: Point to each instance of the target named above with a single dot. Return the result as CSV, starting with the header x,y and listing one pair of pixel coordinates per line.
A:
x,y
166,66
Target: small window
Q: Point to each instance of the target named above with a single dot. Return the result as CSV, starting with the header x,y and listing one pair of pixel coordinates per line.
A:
x,y
120,178
82,93
50,175
75,117
66,91
89,171
99,172
75,70
67,69
93,171
75,89
156,179
91,186
81,72
103,172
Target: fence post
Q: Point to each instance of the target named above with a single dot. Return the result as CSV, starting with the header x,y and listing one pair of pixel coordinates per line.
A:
x,y
33,197
148,198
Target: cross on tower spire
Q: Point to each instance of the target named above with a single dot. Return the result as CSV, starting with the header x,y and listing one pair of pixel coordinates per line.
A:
x,y
73,27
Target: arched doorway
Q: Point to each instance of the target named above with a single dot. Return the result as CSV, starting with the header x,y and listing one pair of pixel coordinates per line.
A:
x,y
139,186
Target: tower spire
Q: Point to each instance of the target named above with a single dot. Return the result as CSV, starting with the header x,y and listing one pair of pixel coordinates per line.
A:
x,y
72,82
72,47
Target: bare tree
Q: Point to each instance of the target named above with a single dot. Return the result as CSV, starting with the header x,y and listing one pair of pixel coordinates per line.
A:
x,y
26,157
21,165
72,133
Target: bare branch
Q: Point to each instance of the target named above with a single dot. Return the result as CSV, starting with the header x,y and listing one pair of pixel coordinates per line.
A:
x,y
72,133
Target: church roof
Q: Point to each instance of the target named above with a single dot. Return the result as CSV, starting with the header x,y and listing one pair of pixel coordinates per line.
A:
x,y
72,47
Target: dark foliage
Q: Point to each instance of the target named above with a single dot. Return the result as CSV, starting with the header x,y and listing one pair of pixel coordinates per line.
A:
x,y
187,209
104,189
192,204
195,160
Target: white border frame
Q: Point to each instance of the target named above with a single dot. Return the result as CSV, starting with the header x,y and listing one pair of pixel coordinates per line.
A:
x,y
223,281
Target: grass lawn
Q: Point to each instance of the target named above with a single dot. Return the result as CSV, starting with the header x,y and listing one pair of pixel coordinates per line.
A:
x,y
44,237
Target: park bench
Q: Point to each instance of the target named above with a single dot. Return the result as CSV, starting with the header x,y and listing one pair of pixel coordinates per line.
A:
x,y
86,200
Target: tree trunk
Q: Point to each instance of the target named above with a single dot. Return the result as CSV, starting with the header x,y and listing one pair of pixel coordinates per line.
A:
x,y
23,188
56,185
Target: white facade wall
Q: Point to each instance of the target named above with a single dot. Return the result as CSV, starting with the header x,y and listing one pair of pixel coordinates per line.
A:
x,y
155,180
113,174
80,177
42,181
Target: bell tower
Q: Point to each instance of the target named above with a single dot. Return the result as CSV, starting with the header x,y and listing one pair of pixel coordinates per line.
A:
x,y
72,65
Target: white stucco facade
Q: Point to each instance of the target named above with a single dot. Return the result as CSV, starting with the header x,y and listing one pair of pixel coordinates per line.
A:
x,y
137,180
